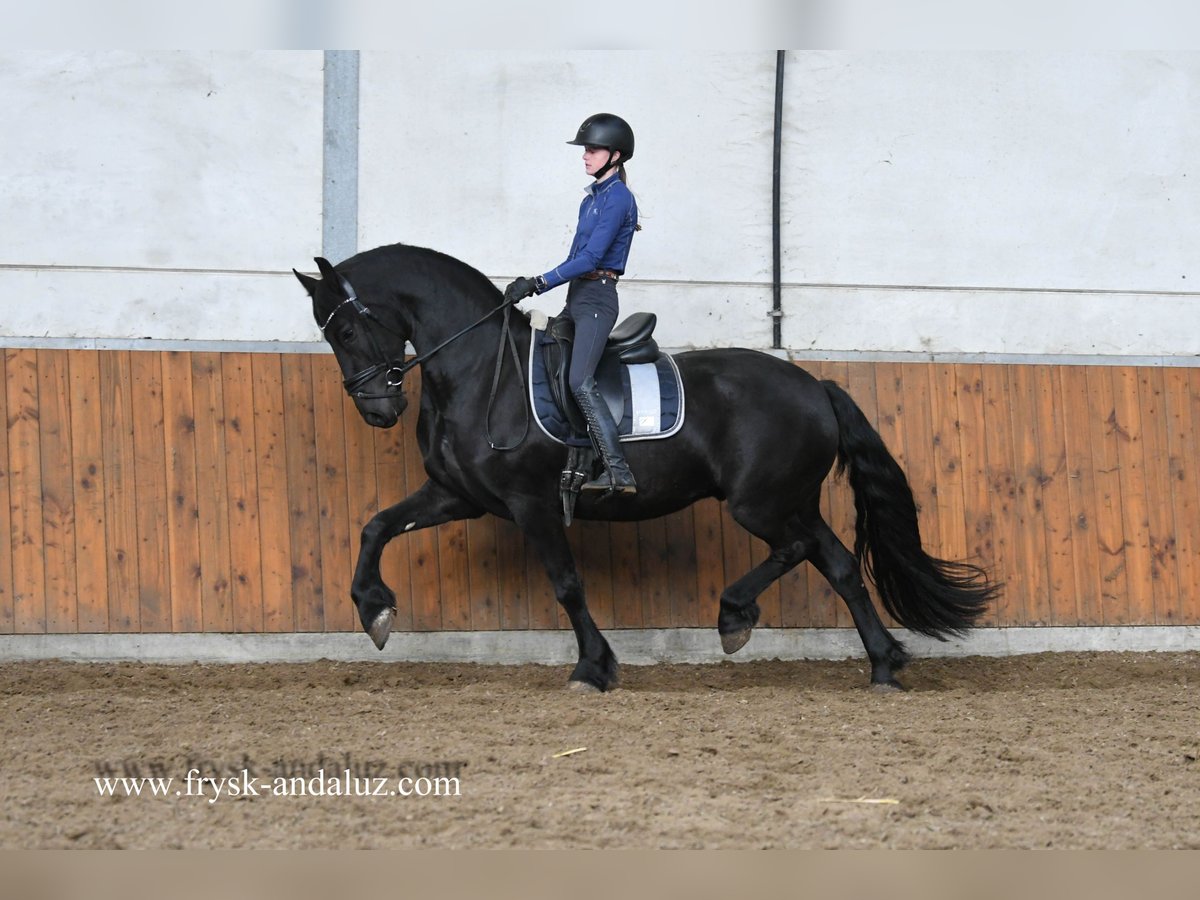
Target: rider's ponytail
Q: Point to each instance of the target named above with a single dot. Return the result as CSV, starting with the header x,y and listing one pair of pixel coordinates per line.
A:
x,y
625,181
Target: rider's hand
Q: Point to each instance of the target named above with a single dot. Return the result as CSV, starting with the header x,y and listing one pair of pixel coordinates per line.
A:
x,y
520,289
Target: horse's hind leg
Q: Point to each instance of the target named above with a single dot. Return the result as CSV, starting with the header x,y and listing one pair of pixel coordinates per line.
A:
x,y
739,601
841,570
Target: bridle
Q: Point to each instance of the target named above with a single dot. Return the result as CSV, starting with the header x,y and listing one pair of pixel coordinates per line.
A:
x,y
395,369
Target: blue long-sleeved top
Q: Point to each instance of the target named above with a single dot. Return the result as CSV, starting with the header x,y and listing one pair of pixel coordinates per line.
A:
x,y
607,219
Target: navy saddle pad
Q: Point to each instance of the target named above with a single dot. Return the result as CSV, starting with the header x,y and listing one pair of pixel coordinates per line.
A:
x,y
646,398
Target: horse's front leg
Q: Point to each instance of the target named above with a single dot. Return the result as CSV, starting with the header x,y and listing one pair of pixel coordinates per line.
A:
x,y
431,505
597,666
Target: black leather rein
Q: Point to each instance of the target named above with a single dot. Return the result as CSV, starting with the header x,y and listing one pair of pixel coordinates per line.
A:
x,y
396,369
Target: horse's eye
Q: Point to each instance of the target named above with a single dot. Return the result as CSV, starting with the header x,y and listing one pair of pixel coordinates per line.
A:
x,y
347,334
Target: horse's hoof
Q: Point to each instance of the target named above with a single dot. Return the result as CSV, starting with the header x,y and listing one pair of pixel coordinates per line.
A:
x,y
735,640
381,628
582,687
887,687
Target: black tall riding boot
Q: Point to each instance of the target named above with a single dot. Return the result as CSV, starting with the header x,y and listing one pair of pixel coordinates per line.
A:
x,y
603,432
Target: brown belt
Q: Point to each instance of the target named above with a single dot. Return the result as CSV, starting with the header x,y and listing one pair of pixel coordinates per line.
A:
x,y
600,273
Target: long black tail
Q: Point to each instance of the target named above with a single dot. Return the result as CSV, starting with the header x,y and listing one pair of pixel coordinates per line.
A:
x,y
929,595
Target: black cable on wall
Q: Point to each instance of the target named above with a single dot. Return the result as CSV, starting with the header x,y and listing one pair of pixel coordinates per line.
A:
x,y
776,250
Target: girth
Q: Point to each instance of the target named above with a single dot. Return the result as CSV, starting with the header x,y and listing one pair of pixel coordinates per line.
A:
x,y
631,342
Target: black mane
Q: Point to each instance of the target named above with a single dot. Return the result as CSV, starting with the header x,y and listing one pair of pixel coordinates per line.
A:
x,y
418,271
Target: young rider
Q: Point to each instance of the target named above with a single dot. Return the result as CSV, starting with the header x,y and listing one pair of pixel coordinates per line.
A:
x,y
607,220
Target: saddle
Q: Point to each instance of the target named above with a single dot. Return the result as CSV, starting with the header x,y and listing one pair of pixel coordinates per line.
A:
x,y
631,342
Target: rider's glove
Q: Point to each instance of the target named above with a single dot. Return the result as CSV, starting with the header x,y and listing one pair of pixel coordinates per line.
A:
x,y
520,289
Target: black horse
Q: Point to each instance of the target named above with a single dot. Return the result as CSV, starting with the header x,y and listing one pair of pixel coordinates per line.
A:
x,y
759,433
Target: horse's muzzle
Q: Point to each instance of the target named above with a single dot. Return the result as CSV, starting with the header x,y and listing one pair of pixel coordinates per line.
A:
x,y
382,412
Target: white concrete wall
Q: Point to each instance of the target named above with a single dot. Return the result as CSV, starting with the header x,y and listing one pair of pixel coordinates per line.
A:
x,y
1061,188
158,194
957,203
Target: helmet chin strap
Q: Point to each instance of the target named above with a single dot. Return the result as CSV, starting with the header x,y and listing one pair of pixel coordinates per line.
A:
x,y
603,170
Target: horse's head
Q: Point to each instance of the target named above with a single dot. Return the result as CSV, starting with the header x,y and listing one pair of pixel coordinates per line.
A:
x,y
373,377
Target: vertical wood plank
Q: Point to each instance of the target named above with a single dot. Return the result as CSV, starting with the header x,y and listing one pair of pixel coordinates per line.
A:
x,y
87,469
455,584
1126,423
303,504
362,499
821,601
120,486
510,576
1164,565
861,385
1185,496
654,575
482,564
6,613
1053,477
839,500
333,503
919,461
149,450
736,544
1004,494
270,439
1188,443
681,570
892,399
424,565
977,512
543,606
25,493
1081,484
58,491
1031,520
710,562
182,511
6,531
803,593
1110,515
947,462
398,474
241,475
627,567
595,559
213,504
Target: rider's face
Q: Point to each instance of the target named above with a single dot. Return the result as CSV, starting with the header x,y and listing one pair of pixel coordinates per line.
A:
x,y
595,158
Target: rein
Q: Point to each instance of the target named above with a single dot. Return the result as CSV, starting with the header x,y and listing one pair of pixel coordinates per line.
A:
x,y
396,371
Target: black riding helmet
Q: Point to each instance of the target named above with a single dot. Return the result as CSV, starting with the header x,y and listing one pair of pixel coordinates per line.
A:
x,y
607,131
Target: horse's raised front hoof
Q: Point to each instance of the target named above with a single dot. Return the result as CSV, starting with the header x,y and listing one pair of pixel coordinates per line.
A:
x,y
381,628
582,687
735,640
888,687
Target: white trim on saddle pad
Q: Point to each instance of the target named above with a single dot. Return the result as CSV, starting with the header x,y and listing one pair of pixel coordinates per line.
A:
x,y
644,401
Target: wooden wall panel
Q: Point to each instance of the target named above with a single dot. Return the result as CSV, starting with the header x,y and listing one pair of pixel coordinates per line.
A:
x,y
25,492
181,518
58,491
241,492
150,485
216,568
303,477
147,491
270,440
6,533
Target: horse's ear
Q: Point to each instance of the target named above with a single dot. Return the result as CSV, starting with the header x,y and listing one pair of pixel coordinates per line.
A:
x,y
310,283
326,270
